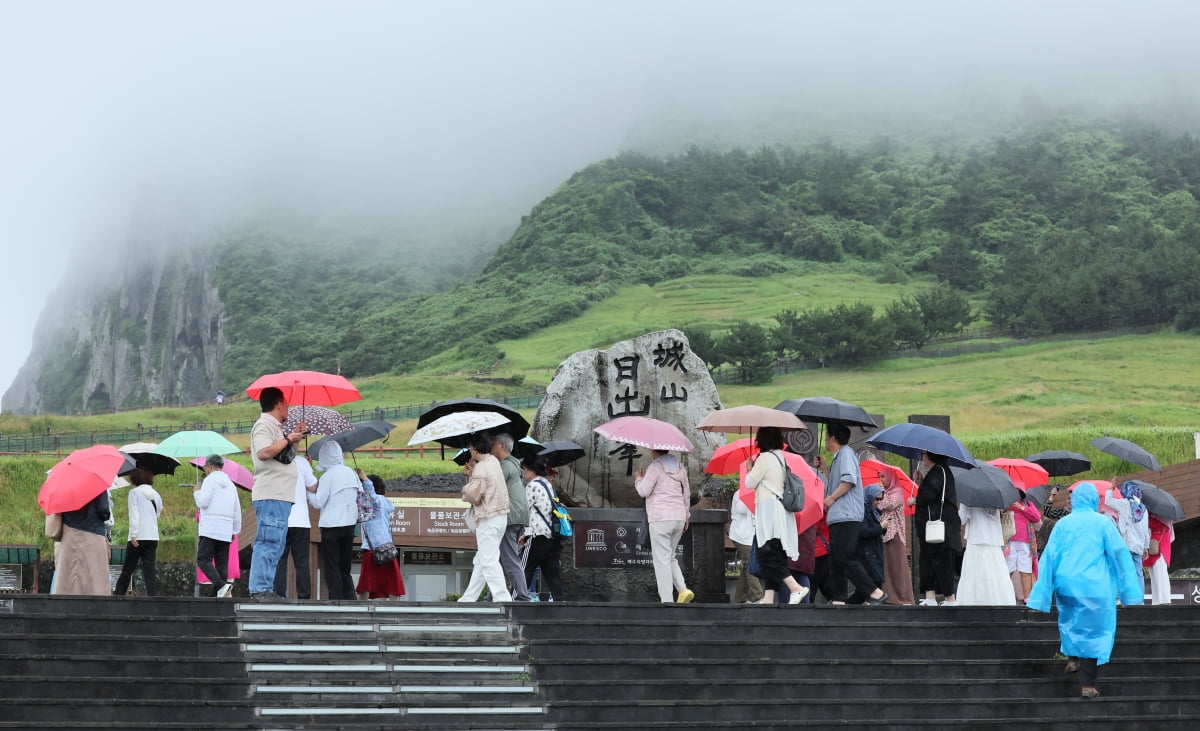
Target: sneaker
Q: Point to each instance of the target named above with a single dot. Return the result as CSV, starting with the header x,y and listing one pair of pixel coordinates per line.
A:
x,y
928,603
798,596
949,604
265,595
685,596
225,590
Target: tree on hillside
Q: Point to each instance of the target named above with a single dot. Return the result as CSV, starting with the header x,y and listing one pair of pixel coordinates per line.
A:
x,y
748,348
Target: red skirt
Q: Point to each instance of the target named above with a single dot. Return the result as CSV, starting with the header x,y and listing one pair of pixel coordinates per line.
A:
x,y
379,582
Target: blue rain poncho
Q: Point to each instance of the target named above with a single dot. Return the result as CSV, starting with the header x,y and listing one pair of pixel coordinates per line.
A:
x,y
1085,569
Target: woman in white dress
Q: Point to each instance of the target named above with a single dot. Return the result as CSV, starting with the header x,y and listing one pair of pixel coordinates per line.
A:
x,y
984,580
774,528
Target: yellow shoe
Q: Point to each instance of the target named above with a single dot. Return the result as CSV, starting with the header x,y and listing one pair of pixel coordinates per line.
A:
x,y
686,596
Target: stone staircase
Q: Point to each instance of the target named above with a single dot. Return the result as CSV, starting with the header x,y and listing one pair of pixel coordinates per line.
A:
x,y
709,666
167,663
386,665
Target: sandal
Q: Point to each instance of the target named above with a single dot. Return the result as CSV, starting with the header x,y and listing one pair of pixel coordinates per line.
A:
x,y
1073,667
1089,692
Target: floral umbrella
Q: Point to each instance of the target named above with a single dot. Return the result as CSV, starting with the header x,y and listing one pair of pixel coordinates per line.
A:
x,y
454,429
320,420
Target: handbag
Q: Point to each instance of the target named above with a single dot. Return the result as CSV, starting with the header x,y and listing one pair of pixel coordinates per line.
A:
x,y
54,526
1008,525
287,454
366,505
380,555
935,530
1153,542
469,519
793,488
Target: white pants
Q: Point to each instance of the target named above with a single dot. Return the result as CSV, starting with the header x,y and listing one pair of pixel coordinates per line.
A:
x,y
664,537
488,534
1160,582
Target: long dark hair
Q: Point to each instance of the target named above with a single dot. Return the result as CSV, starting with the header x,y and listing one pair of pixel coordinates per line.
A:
x,y
536,465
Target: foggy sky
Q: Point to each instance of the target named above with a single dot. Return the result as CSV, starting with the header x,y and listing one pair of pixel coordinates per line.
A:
x,y
449,113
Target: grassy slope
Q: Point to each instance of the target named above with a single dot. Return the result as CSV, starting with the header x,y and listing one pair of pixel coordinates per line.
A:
x,y
1011,403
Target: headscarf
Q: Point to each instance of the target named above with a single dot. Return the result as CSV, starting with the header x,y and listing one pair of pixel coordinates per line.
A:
x,y
871,492
1132,492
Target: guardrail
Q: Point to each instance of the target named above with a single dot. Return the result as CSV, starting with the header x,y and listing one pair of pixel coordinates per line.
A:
x,y
56,442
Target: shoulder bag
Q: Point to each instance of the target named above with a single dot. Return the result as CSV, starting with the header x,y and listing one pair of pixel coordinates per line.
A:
x,y
935,530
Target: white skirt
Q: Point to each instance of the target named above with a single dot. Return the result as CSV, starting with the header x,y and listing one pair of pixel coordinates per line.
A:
x,y
985,580
1160,582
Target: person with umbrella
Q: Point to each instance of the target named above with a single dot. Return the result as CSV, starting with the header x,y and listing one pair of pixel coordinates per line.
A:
x,y
81,556
668,495
984,579
274,488
1158,559
1125,505
1085,569
844,512
545,551
336,495
487,492
1020,554
936,499
518,516
897,579
298,543
220,521
145,505
774,528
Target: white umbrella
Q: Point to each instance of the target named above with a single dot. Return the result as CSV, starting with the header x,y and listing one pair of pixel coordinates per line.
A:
x,y
457,424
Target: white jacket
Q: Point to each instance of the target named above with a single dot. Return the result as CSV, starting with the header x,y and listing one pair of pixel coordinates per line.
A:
x,y
337,490
220,511
145,505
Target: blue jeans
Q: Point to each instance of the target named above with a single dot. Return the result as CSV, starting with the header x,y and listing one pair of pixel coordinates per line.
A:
x,y
268,544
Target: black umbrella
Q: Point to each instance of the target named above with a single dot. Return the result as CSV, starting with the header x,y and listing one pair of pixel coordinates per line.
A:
x,y
526,447
517,425
985,486
827,410
1128,451
462,457
560,452
363,433
140,452
1159,502
1060,462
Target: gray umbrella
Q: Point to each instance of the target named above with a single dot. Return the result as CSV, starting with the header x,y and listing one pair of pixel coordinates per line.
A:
x,y
1060,462
1159,502
1128,451
985,486
362,433
827,410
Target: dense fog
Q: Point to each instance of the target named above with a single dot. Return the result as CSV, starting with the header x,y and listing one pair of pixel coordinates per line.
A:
x,y
461,116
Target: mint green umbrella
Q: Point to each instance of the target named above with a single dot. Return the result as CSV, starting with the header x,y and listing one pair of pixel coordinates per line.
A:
x,y
196,444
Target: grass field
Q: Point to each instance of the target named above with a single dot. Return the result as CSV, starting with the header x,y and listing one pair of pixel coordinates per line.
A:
x,y
1023,399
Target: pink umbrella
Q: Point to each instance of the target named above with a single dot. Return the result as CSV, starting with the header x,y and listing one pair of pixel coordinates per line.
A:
x,y
241,476
309,388
645,432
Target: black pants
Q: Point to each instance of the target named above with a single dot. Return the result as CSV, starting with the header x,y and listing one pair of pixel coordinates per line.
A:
x,y
545,554
843,549
1088,670
297,545
337,554
212,558
938,569
144,552
822,579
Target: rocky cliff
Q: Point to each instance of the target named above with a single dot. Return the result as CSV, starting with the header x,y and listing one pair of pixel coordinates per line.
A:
x,y
145,326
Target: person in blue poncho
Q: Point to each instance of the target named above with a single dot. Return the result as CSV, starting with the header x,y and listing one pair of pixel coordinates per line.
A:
x,y
1085,569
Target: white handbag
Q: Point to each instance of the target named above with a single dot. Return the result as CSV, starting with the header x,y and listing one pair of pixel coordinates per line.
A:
x,y
935,530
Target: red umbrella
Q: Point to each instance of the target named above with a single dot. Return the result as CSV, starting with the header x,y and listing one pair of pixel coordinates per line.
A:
x,y
1023,473
83,475
241,476
814,490
642,431
307,388
874,471
729,458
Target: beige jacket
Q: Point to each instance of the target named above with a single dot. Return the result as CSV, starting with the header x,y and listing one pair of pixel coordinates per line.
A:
x,y
486,489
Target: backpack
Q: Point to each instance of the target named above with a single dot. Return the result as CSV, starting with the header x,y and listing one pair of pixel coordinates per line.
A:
x,y
366,505
559,520
793,489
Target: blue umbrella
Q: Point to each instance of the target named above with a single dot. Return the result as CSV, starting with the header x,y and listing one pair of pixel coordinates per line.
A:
x,y
910,440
